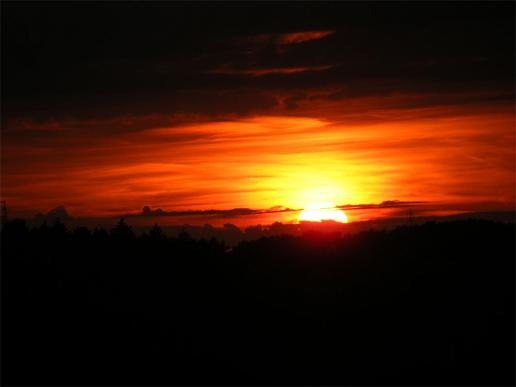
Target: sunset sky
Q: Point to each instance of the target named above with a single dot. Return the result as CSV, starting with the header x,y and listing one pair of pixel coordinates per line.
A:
x,y
110,108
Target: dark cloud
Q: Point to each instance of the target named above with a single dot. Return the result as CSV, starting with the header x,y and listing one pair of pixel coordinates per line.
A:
x,y
90,60
148,212
384,204
57,214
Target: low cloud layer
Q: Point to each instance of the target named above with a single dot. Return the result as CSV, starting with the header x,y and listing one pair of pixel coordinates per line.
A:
x,y
234,212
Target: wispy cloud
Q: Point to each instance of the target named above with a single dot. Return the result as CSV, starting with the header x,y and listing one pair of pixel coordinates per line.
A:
x,y
284,38
148,212
301,37
344,156
384,204
258,72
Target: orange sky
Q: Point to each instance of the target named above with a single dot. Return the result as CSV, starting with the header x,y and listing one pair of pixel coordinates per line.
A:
x,y
187,108
451,155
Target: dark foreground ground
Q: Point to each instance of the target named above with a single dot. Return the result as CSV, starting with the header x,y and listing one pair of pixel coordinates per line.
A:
x,y
422,305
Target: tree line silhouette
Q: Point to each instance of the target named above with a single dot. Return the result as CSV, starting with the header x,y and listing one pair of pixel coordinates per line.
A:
x,y
430,304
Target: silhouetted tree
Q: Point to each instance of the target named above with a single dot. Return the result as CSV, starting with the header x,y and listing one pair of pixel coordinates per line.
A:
x,y
430,304
184,236
156,233
100,234
122,231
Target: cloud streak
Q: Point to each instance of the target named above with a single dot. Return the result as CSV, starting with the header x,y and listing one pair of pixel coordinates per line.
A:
x,y
284,39
453,155
302,37
147,212
258,72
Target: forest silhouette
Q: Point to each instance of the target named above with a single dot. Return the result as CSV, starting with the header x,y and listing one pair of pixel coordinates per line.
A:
x,y
429,304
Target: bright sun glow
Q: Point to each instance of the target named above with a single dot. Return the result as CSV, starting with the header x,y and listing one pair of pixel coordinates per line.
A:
x,y
321,212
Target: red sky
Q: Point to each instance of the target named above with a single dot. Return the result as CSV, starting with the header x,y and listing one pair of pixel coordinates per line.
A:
x,y
443,155
289,116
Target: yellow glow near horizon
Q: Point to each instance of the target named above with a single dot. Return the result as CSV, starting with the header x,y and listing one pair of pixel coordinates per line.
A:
x,y
322,211
264,162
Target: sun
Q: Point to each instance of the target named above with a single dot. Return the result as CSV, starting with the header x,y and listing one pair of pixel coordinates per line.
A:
x,y
321,212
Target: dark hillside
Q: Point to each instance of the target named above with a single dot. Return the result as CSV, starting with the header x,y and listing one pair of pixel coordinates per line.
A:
x,y
423,305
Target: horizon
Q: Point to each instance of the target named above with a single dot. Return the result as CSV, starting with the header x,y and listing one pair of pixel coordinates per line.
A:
x,y
231,230
387,214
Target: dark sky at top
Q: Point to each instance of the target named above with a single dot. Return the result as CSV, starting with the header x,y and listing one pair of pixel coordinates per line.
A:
x,y
96,60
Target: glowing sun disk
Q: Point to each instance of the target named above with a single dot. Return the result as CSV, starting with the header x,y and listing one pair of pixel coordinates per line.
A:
x,y
320,213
